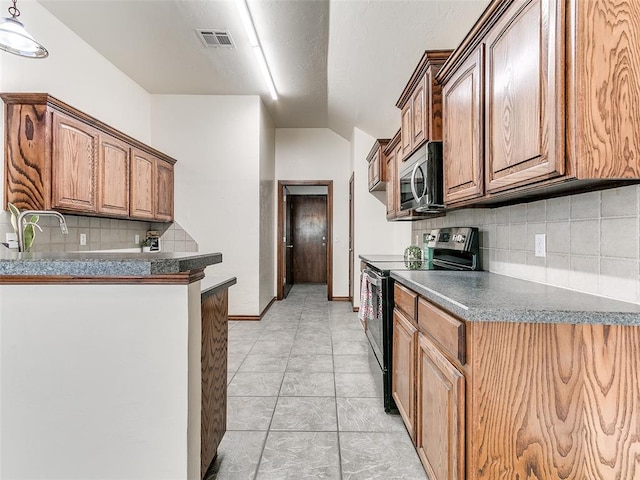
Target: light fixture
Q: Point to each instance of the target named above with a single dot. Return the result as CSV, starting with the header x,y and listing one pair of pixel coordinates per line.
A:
x,y
257,48
14,38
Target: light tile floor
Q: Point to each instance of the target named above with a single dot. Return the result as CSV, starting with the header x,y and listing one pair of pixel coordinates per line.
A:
x,y
304,399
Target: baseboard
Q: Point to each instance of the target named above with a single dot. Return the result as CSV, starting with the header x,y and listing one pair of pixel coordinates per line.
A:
x,y
252,318
340,299
266,309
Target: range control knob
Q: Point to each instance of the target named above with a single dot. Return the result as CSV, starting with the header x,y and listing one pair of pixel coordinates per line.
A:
x,y
459,238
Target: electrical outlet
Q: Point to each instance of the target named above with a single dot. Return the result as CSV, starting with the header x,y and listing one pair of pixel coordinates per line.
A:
x,y
83,239
540,245
136,239
12,240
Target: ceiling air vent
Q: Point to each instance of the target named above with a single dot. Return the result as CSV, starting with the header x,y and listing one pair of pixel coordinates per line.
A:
x,y
215,38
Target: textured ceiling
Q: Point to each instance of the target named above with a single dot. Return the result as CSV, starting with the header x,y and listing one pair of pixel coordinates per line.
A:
x,y
336,64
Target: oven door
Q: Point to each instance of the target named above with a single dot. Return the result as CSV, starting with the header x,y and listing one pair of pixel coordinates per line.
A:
x,y
380,332
376,321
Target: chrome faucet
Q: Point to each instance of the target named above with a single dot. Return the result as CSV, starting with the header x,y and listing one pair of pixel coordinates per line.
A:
x,y
41,213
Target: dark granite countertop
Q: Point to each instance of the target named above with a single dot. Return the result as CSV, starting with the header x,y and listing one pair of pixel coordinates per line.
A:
x,y
218,283
102,264
381,258
484,296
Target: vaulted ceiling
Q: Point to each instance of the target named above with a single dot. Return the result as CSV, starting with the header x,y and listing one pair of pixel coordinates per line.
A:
x,y
335,63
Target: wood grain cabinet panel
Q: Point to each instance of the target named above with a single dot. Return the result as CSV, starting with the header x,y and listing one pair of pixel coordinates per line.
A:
x,y
164,191
403,380
393,183
406,117
603,104
440,414
143,185
523,90
418,106
113,177
463,156
214,312
75,148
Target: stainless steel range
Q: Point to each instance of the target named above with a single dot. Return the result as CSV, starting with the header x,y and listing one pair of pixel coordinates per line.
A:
x,y
452,248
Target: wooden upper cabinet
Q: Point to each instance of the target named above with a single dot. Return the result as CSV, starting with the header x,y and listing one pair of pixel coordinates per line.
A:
x,y
420,103
523,89
113,177
74,166
440,437
143,184
164,191
462,132
560,110
57,157
377,168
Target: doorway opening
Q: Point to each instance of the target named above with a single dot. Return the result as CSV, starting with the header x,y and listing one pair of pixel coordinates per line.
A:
x,y
305,225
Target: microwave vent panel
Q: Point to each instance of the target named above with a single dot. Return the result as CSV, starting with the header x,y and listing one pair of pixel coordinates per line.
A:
x,y
215,38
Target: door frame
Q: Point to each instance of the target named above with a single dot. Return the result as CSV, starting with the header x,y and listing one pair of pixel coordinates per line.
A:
x,y
351,235
280,233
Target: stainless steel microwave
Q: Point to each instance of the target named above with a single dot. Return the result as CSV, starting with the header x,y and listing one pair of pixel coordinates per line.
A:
x,y
421,184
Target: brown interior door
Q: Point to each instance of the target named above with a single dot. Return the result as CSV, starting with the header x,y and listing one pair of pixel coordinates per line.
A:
x,y
288,247
309,228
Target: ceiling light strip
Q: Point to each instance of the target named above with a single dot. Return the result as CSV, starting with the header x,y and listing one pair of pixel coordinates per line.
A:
x,y
247,21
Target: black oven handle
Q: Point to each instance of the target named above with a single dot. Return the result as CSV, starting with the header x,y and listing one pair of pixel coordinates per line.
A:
x,y
373,277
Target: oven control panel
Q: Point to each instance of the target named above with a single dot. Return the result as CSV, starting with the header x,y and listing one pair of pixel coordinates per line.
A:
x,y
464,239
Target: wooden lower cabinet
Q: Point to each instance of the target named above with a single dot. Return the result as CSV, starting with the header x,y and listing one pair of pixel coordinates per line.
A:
x,y
214,311
405,343
543,401
440,414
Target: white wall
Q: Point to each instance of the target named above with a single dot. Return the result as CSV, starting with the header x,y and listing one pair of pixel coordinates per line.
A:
x,y
267,209
98,388
217,186
321,154
373,234
76,74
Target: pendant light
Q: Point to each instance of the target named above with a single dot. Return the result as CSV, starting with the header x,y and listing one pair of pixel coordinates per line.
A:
x,y
14,38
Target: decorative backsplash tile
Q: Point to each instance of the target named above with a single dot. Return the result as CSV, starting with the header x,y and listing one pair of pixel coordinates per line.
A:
x,y
101,234
592,240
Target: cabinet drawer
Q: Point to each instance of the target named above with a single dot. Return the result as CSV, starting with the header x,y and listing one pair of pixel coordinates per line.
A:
x,y
405,300
445,330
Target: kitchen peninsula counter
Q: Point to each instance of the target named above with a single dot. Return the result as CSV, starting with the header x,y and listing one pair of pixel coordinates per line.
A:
x,y
102,264
114,359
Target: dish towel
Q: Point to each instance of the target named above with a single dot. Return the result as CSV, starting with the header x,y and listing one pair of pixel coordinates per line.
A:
x,y
370,307
366,300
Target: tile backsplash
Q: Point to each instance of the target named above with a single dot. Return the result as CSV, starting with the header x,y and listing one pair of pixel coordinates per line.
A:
x,y
592,242
102,234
